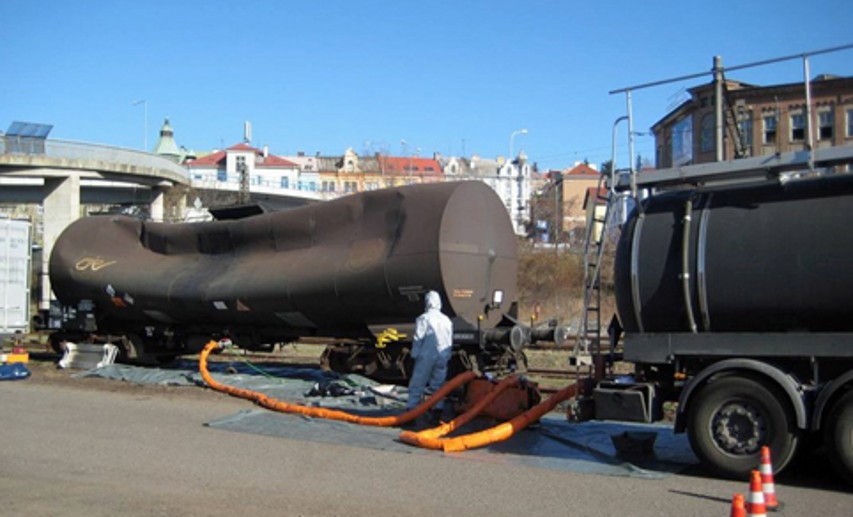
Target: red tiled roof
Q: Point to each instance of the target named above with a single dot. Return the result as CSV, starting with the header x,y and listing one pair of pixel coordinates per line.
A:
x,y
243,146
582,169
215,159
275,161
401,165
591,195
211,159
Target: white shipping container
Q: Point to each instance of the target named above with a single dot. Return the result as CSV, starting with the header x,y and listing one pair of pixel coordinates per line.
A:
x,y
15,263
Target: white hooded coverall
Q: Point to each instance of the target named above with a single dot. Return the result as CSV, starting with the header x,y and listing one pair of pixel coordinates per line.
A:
x,y
431,349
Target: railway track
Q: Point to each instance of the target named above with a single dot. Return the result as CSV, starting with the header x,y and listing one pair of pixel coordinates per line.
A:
x,y
550,380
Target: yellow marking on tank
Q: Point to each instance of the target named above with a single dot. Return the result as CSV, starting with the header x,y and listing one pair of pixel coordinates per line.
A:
x,y
92,263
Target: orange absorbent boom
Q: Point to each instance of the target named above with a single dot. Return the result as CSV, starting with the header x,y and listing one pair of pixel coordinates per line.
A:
x,y
429,438
331,414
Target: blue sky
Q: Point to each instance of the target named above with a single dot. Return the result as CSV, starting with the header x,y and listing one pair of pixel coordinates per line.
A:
x,y
445,76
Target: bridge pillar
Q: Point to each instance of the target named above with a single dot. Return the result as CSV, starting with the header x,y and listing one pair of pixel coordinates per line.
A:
x,y
156,207
61,208
179,208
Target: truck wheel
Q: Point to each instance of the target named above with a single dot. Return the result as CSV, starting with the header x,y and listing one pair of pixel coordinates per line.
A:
x,y
731,418
839,436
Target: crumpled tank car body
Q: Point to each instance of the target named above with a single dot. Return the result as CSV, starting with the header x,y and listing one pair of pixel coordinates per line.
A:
x,y
346,269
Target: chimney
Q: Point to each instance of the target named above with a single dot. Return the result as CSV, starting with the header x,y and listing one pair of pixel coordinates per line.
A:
x,y
266,151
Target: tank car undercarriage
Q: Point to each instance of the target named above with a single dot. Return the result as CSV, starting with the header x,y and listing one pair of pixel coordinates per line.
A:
x,y
393,364
498,352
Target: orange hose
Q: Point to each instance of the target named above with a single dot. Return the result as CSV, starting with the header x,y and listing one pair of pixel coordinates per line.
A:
x,y
425,436
495,434
331,414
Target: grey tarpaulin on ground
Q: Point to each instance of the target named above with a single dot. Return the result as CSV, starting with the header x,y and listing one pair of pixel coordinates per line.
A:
x,y
554,443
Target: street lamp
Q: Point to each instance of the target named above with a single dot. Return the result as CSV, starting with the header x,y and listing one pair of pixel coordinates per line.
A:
x,y
520,209
145,127
511,137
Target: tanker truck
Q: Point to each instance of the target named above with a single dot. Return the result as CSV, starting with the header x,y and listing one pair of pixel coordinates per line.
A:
x,y
734,299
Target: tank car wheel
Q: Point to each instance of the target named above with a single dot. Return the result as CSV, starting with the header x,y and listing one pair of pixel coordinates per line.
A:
x,y
731,418
839,436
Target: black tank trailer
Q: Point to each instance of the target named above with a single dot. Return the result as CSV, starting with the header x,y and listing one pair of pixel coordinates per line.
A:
x,y
736,301
774,258
348,269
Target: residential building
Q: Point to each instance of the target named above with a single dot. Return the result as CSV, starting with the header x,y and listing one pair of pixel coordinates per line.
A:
x,y
509,179
562,203
264,170
309,172
575,185
410,170
758,121
350,173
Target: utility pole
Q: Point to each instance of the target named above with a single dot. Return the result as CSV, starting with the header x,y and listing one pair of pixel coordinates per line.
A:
x,y
557,228
245,194
718,105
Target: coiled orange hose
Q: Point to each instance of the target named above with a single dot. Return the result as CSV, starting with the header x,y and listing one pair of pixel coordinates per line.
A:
x,y
495,434
331,414
425,437
429,438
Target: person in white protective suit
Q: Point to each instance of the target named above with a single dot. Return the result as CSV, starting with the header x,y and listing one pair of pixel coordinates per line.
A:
x,y
431,349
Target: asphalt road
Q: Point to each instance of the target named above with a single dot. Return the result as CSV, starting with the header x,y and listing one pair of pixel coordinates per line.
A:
x,y
91,449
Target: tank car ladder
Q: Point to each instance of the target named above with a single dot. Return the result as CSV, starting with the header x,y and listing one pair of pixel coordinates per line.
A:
x,y
588,337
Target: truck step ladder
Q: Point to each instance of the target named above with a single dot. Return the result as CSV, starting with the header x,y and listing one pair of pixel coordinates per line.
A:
x,y
588,339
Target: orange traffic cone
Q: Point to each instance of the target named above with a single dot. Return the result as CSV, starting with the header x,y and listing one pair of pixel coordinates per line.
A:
x,y
755,504
767,485
738,507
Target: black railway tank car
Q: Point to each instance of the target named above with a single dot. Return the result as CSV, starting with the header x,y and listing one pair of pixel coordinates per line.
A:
x,y
345,269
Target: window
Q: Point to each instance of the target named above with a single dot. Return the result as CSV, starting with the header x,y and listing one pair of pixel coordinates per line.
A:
x,y
826,124
350,186
769,129
850,123
798,126
240,163
327,186
706,133
745,131
285,182
222,175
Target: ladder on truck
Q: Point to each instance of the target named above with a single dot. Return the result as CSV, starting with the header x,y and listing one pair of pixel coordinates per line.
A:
x,y
588,337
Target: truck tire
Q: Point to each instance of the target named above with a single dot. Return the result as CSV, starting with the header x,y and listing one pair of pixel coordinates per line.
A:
x,y
839,436
731,418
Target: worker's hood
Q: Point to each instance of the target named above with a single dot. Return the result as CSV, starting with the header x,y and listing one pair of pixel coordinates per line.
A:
x,y
433,301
